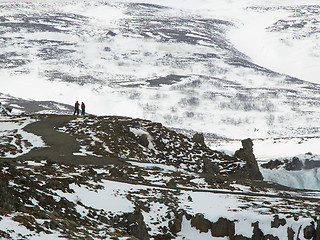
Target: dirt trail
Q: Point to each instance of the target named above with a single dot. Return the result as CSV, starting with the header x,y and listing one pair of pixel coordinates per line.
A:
x,y
60,146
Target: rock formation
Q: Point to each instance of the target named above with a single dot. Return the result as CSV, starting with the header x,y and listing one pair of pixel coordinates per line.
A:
x,y
246,153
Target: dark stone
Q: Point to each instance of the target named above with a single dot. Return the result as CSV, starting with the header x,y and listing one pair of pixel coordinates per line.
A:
x,y
246,154
272,164
199,222
290,233
257,233
277,222
136,226
309,164
270,237
317,232
198,138
175,224
143,140
166,236
294,165
209,167
240,237
309,231
223,228
111,33
283,222
188,216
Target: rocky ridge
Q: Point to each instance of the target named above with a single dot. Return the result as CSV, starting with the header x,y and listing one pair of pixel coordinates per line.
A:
x,y
160,175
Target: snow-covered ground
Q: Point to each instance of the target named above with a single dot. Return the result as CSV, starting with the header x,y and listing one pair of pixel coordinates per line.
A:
x,y
101,53
14,141
234,68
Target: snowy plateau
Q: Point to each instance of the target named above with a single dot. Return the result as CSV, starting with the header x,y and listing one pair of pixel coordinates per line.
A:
x,y
203,119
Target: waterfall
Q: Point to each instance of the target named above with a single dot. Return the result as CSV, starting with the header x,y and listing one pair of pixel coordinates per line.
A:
x,y
302,179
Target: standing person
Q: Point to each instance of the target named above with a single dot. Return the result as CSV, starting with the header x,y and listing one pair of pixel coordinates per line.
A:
x,y
83,109
76,108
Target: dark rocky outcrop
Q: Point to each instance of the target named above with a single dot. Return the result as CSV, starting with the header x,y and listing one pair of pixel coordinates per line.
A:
x,y
198,138
176,224
223,228
246,153
257,233
143,140
309,164
19,185
277,222
199,222
294,165
290,233
272,164
309,232
134,224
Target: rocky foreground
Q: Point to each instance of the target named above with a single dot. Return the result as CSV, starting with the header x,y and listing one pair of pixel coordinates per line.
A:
x,y
121,178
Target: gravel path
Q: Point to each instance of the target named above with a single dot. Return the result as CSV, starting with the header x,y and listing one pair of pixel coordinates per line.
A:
x,y
61,146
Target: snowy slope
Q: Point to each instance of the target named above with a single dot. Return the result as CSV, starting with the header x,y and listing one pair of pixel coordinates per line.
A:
x,y
144,198
234,68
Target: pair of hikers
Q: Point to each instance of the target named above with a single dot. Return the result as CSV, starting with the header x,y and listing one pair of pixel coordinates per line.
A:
x,y
76,108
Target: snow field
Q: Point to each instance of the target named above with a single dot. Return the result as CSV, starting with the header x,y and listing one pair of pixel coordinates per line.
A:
x,y
10,133
108,65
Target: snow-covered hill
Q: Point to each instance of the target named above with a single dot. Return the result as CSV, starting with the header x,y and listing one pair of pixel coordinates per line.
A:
x,y
234,68
228,69
98,178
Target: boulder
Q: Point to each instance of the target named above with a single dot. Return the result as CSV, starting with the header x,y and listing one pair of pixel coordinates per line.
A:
x,y
143,140
176,224
277,222
294,165
272,164
309,231
310,164
223,228
198,138
290,233
257,233
199,222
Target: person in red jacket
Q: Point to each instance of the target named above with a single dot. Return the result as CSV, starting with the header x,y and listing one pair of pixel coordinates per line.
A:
x,y
83,109
76,108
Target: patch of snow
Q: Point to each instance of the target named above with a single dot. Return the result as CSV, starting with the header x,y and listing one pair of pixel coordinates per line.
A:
x,y
139,132
109,198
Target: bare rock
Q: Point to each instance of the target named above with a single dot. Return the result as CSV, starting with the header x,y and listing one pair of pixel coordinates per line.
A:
x,y
143,140
309,231
223,228
277,222
198,138
199,222
257,233
294,165
290,233
246,154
